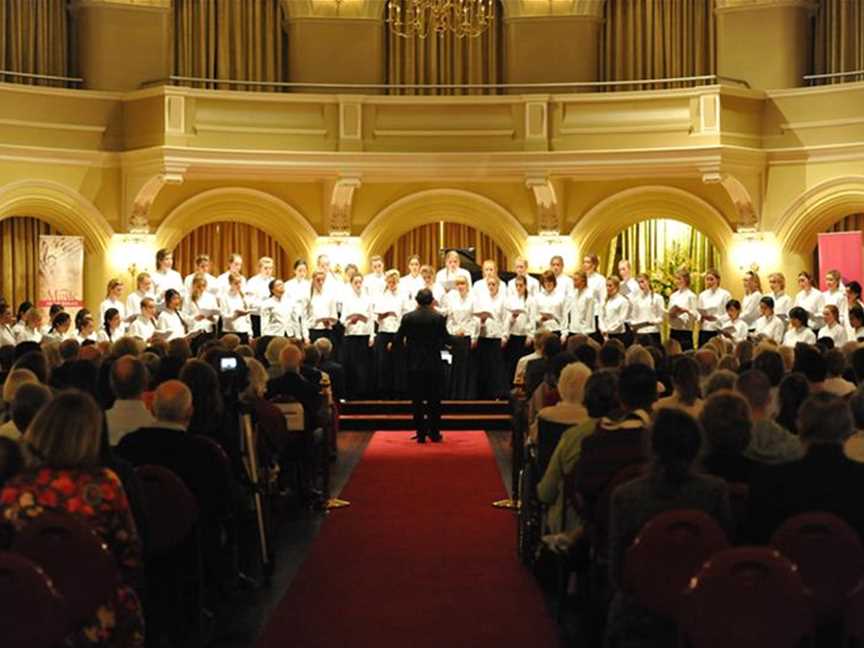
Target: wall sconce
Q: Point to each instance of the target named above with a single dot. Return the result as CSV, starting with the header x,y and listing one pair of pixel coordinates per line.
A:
x,y
753,251
342,250
540,249
132,254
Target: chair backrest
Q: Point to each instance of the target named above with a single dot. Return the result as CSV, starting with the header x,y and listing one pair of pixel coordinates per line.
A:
x,y
667,553
76,560
210,477
828,554
853,616
739,500
549,435
170,507
33,614
601,511
293,413
746,597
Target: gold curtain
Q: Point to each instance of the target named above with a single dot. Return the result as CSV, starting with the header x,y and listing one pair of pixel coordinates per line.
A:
x,y
661,246
838,39
428,240
19,257
219,240
229,39
653,39
446,59
34,39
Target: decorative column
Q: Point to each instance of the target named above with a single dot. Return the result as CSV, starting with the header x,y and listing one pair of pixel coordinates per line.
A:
x,y
764,42
335,41
123,43
551,41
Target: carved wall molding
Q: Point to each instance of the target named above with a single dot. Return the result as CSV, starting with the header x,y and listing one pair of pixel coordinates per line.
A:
x,y
339,209
548,209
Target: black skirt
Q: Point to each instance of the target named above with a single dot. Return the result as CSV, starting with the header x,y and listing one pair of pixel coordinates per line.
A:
x,y
684,338
357,360
489,365
514,350
461,383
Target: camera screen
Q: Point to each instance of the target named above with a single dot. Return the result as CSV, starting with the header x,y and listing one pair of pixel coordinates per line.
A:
x,y
228,364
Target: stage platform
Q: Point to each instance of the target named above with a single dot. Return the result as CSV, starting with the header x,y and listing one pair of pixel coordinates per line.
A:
x,y
396,415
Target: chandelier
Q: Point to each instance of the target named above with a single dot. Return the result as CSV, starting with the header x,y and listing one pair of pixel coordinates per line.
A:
x,y
420,18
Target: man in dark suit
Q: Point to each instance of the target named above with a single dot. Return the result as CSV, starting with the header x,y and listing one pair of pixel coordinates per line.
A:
x,y
423,333
823,480
292,384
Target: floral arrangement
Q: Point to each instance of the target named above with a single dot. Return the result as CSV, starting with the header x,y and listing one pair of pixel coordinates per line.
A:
x,y
663,273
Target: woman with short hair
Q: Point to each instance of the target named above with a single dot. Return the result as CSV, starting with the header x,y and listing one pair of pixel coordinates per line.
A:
x,y
62,447
712,306
811,300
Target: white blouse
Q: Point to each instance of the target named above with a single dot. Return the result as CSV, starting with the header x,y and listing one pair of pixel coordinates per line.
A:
x,y
532,286
714,303
750,308
143,328
374,285
110,302
211,287
630,287
388,308
133,303
613,315
104,336
772,328
447,279
409,286
736,331
521,315
192,309
855,335
497,325
163,281
299,289
686,300
836,332
257,292
280,317
230,304
782,304
646,308
358,305
580,312
321,308
460,314
813,301
552,305
223,286
597,285
26,334
803,334
174,323
7,337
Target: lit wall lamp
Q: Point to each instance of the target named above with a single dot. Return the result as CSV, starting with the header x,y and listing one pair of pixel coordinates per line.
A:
x,y
540,249
753,250
132,253
342,250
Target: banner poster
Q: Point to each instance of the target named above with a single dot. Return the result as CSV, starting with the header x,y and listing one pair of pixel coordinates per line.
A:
x,y
841,251
61,273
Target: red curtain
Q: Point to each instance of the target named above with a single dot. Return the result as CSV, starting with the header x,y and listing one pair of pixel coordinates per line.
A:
x,y
19,257
428,240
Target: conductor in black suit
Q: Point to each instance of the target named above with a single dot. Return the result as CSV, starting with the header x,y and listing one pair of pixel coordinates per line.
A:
x,y
424,334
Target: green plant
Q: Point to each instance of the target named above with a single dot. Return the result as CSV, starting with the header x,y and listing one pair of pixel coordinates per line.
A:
x,y
662,271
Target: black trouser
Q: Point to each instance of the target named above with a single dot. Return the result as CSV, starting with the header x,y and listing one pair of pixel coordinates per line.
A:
x,y
489,366
514,350
315,334
357,360
704,336
684,338
385,365
625,338
461,384
426,388
256,325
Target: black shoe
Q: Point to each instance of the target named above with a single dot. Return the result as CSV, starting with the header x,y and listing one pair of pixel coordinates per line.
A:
x,y
436,438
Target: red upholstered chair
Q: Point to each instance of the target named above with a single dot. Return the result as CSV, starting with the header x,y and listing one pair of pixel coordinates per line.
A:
x,y
76,560
170,508
747,597
829,557
666,554
32,614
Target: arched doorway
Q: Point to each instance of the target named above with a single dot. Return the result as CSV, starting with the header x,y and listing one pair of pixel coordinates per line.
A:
x,y
661,246
19,257
427,241
223,238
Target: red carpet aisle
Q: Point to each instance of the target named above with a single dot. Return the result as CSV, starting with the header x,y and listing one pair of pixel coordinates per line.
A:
x,y
420,559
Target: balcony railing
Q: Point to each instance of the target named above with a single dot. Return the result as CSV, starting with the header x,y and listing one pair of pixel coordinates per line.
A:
x,y
40,79
835,77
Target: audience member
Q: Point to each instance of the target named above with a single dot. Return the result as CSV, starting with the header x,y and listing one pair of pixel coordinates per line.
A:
x,y
794,389
292,385
770,443
28,400
854,445
728,426
569,410
273,353
823,480
128,382
720,379
686,390
34,361
810,362
11,461
332,368
62,448
835,364
671,484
